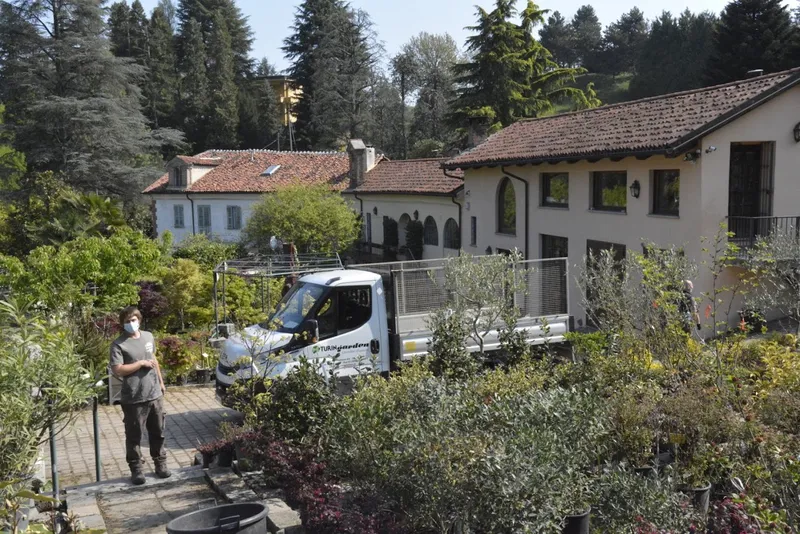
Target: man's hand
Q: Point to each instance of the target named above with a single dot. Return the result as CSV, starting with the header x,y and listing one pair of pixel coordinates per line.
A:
x,y
163,389
147,364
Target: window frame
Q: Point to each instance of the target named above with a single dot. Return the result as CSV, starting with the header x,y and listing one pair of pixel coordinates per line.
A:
x,y
425,236
500,207
335,295
175,209
546,178
597,193
204,229
548,239
658,202
473,231
455,238
237,210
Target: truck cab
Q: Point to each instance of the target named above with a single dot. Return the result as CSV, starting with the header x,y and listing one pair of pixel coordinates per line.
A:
x,y
333,313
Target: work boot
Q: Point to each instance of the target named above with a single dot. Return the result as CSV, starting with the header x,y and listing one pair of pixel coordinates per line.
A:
x,y
137,477
162,471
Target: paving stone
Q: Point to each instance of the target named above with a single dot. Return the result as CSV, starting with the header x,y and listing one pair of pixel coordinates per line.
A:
x,y
281,518
193,415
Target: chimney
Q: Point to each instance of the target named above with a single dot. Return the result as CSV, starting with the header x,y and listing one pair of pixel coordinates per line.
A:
x,y
477,131
755,73
362,160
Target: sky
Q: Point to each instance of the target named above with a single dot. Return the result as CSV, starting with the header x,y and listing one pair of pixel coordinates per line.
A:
x,y
398,20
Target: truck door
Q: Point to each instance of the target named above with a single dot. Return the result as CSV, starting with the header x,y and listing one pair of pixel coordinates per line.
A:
x,y
348,324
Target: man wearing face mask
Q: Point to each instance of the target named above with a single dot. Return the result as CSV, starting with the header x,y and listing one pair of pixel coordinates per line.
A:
x,y
133,358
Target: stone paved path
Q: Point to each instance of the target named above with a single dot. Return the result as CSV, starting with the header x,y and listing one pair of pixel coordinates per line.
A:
x,y
192,417
147,510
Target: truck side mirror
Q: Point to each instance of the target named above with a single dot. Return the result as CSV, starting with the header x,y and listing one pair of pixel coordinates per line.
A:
x,y
310,330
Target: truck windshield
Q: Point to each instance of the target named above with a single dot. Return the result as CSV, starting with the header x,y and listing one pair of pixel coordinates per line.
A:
x,y
294,307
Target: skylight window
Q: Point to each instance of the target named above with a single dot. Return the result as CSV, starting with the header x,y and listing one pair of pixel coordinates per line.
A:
x,y
272,169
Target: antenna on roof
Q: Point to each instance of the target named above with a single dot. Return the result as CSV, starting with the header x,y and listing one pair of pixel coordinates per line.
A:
x,y
252,155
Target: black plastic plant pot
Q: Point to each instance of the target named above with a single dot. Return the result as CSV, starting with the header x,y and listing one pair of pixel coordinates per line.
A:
x,y
700,498
208,457
577,524
242,518
225,458
202,375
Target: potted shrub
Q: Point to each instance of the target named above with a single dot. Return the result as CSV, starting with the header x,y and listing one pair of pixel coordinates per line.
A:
x,y
578,507
177,358
203,370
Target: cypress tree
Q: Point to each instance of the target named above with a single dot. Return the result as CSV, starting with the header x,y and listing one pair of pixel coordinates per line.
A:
x,y
73,107
223,112
751,34
194,95
623,41
510,75
162,80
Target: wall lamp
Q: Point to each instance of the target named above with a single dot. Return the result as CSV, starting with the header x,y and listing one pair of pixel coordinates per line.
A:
x,y
375,210
636,188
416,215
797,133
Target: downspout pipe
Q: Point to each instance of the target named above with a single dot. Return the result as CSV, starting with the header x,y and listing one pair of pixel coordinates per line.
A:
x,y
453,199
191,201
527,208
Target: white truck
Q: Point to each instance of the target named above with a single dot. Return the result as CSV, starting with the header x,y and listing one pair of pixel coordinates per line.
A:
x,y
374,315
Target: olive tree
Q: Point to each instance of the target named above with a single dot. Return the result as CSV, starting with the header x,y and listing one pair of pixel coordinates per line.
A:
x,y
478,294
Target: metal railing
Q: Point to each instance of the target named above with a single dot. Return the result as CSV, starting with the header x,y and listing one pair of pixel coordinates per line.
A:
x,y
747,230
419,285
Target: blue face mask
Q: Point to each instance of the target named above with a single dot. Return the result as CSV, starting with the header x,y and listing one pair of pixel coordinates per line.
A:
x,y
132,326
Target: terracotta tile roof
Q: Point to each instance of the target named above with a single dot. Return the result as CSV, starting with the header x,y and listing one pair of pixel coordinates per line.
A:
x,y
196,160
666,124
410,176
240,171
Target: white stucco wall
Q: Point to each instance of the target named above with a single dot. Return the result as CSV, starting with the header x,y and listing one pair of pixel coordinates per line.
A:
x,y
219,213
395,206
579,222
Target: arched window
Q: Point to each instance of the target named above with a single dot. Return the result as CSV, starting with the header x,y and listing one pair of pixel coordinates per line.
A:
x,y
431,233
506,208
452,237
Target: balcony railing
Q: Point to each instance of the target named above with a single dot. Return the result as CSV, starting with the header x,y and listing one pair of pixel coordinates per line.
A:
x,y
747,230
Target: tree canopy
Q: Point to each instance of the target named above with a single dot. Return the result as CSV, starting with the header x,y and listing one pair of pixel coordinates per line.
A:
x,y
313,217
510,75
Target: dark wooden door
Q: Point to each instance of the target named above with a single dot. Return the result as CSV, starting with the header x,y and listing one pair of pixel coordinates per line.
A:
x,y
744,189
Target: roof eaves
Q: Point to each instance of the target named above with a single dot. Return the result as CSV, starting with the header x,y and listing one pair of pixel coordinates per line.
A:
x,y
555,159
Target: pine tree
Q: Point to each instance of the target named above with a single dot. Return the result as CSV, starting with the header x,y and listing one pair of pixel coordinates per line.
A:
x,y
223,110
138,28
751,34
660,60
510,75
623,41
204,11
300,48
404,70
161,88
73,107
119,20
194,92
343,76
259,116
697,37
587,35
558,37
435,57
